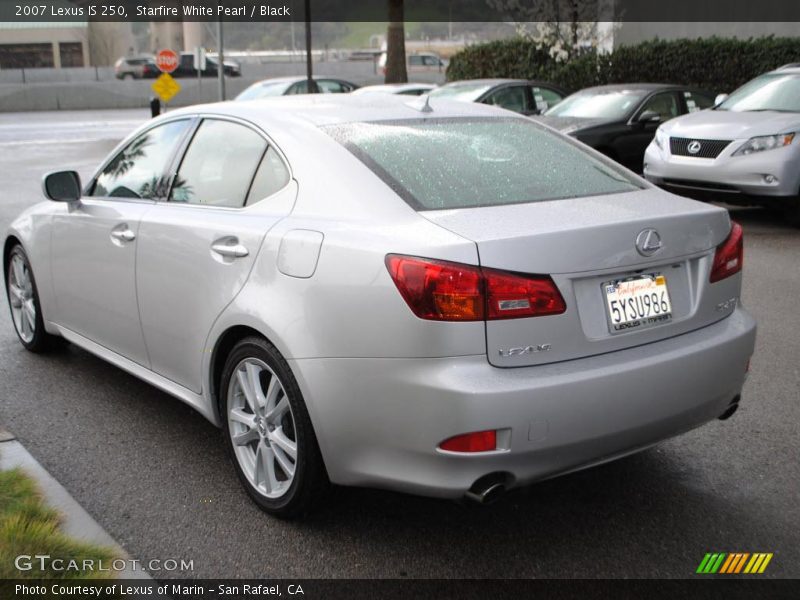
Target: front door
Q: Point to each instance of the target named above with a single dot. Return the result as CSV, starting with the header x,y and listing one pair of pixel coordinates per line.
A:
x,y
95,241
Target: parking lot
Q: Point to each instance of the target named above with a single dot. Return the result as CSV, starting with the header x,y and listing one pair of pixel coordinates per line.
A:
x,y
155,475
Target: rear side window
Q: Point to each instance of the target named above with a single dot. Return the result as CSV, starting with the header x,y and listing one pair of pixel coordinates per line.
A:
x,y
270,177
545,97
512,97
219,165
459,163
696,101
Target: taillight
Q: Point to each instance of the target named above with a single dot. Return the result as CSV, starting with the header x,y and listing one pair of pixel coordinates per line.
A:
x,y
729,256
438,290
512,296
477,441
445,291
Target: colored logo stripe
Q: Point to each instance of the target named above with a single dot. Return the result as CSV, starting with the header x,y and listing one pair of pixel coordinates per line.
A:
x,y
734,562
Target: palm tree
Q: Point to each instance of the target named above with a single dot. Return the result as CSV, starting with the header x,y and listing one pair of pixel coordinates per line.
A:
x,y
396,45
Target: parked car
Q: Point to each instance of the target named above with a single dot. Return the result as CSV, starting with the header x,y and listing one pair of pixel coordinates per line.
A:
x,y
744,151
519,95
621,120
186,67
364,292
418,62
404,89
287,86
136,67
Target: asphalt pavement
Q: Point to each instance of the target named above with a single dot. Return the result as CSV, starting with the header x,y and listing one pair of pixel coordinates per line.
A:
x,y
155,475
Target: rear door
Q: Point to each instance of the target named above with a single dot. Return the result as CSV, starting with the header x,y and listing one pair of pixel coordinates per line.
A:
x,y
197,248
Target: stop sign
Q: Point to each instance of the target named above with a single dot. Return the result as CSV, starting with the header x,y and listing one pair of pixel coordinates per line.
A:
x,y
167,60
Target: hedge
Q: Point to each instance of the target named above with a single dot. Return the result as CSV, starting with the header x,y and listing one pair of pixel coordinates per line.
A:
x,y
715,64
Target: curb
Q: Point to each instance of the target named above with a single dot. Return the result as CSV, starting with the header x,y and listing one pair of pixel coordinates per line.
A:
x,y
76,522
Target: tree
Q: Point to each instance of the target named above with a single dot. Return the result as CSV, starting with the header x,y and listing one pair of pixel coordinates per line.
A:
x,y
562,26
396,45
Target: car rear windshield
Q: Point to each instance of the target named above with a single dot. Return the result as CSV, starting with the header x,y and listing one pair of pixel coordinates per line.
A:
x,y
465,92
436,164
598,104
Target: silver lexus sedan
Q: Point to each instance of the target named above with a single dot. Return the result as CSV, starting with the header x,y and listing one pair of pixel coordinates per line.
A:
x,y
428,296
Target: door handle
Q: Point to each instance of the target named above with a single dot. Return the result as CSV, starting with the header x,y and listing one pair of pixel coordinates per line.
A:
x,y
123,234
229,248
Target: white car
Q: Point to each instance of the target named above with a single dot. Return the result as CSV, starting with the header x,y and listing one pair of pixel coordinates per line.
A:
x,y
403,89
745,150
390,292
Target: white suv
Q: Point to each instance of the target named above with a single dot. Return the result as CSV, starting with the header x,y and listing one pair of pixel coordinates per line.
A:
x,y
745,150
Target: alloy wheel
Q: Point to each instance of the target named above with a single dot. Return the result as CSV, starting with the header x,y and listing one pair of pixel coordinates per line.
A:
x,y
21,298
262,428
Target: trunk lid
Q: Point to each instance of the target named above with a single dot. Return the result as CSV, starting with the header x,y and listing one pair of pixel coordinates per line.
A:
x,y
585,243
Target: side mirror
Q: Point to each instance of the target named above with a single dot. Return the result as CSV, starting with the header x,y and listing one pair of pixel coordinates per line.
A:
x,y
649,116
720,99
62,186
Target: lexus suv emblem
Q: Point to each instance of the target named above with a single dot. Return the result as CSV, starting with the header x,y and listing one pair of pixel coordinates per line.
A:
x,y
648,242
694,147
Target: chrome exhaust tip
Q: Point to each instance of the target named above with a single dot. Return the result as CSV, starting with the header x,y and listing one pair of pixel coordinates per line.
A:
x,y
732,408
487,489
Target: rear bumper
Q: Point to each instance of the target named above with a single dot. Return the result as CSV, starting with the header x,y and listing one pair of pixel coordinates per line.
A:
x,y
379,421
727,178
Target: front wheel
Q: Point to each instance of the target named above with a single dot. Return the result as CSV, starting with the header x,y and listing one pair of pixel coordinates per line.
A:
x,y
268,432
23,299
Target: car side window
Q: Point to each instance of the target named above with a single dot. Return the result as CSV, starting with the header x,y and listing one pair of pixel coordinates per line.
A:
x,y
271,176
696,101
219,165
137,170
545,97
415,61
430,61
511,97
665,104
330,86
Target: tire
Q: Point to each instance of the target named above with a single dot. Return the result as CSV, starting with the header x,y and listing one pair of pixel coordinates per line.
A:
x,y
279,484
128,77
22,297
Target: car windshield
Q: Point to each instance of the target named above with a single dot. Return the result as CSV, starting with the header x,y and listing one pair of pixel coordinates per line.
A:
x,y
598,104
466,92
779,92
264,90
459,163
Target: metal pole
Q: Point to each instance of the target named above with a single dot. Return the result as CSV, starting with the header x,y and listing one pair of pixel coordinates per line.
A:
x,y
220,62
312,89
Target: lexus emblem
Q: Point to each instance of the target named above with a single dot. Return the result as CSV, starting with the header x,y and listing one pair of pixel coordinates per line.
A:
x,y
694,147
648,242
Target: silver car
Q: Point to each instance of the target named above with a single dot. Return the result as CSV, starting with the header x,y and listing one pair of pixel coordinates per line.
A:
x,y
435,297
745,150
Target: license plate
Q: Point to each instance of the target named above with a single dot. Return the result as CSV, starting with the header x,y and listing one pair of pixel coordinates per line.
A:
x,y
637,302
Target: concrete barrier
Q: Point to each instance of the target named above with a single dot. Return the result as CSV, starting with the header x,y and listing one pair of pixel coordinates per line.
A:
x,y
90,88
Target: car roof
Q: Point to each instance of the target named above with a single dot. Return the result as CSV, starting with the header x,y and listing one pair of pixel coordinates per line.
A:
x,y
644,87
331,109
398,86
294,78
790,69
494,81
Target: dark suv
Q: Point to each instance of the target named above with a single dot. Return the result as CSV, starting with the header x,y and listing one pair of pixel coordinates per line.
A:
x,y
186,67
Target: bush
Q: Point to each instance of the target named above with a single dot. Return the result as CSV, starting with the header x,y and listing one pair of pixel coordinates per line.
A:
x,y
715,64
